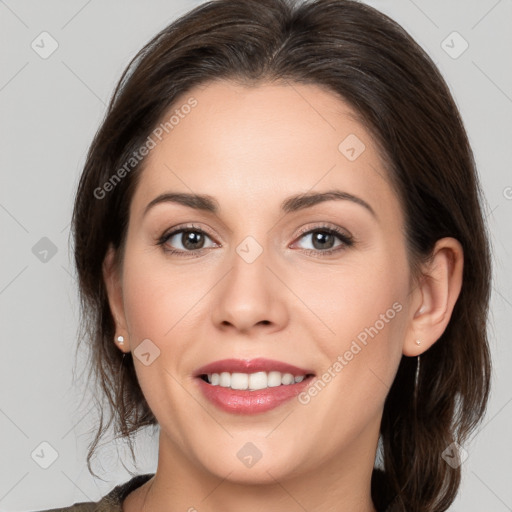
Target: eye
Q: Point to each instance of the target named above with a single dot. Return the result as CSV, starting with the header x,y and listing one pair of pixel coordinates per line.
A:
x,y
325,239
185,239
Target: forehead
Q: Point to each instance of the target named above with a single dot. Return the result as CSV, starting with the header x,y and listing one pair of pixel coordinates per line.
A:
x,y
253,144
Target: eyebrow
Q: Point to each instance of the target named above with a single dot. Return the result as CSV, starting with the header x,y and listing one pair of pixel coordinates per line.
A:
x,y
291,204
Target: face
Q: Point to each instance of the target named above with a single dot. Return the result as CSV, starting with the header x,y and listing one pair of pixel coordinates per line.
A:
x,y
320,282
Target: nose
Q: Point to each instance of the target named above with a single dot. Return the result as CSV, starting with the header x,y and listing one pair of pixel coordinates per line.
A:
x,y
250,298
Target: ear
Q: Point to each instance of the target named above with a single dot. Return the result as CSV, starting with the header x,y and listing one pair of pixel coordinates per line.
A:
x,y
113,285
435,297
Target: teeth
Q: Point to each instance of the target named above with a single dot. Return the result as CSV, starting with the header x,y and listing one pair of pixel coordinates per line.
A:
x,y
274,379
253,381
257,380
239,381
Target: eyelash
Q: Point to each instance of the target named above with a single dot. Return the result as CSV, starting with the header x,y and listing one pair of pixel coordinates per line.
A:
x,y
345,239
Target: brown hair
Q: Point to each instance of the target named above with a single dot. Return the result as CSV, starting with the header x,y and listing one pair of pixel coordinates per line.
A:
x,y
368,60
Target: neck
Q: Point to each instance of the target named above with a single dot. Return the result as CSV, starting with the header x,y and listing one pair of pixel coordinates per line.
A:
x,y
341,484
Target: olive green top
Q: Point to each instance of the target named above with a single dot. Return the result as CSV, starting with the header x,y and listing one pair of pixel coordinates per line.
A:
x,y
112,502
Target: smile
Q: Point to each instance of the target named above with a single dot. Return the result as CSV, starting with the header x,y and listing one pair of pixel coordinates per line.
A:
x,y
251,386
253,381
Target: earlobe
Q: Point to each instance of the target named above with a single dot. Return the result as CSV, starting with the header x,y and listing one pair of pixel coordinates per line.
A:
x,y
436,295
113,286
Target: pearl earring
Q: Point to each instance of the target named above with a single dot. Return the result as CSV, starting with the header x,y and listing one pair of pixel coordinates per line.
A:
x,y
418,342
120,340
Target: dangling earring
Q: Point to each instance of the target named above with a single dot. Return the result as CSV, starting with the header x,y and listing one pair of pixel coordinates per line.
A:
x,y
120,340
416,378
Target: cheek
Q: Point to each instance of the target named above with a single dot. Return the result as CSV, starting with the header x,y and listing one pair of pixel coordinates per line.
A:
x,y
356,294
361,358
156,294
364,306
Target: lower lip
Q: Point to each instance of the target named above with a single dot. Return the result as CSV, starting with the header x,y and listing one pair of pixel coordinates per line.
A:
x,y
251,402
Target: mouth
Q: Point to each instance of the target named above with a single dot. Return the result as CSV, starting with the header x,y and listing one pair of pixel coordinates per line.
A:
x,y
253,381
251,386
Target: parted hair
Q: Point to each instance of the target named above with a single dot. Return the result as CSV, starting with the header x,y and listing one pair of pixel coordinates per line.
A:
x,y
373,64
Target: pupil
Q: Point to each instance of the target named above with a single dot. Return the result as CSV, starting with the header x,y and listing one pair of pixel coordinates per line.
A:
x,y
321,239
191,239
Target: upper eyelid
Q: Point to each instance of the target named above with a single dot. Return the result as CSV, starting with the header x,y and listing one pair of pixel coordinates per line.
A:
x,y
179,229
337,231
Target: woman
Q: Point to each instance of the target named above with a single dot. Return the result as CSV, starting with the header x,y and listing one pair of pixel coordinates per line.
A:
x,y
284,264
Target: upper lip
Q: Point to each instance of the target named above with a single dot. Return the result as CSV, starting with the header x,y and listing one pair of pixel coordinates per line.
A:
x,y
251,366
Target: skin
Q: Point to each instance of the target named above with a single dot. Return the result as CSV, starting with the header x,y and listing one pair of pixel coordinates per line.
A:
x,y
250,148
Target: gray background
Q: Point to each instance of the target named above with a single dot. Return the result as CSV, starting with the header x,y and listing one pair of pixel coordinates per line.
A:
x,y
50,110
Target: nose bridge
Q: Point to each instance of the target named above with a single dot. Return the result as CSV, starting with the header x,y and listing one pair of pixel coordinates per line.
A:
x,y
248,296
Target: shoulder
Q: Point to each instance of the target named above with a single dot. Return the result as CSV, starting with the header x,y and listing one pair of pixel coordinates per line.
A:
x,y
112,502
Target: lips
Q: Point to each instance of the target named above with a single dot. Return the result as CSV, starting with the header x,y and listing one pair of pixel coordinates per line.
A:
x,y
251,366
249,401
